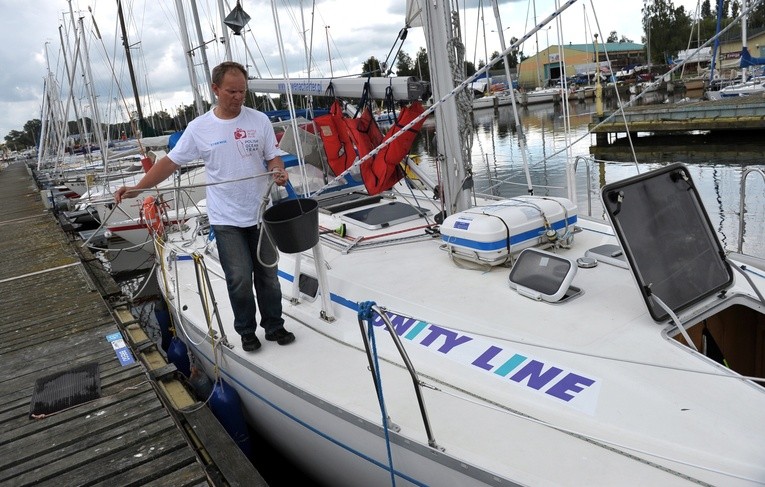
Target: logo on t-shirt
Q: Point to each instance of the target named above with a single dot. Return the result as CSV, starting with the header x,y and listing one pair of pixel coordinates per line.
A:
x,y
247,142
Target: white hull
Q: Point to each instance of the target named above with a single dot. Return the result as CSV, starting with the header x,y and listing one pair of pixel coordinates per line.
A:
x,y
480,383
494,100
636,423
546,95
128,213
136,231
734,90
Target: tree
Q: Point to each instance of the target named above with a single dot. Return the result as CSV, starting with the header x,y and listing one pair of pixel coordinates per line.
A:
x,y
404,65
706,10
612,37
371,67
665,26
469,68
23,139
500,64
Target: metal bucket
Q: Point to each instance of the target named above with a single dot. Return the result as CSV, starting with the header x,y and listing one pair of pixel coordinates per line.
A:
x,y
293,224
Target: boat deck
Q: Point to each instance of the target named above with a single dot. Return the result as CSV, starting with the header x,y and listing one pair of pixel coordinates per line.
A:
x,y
57,315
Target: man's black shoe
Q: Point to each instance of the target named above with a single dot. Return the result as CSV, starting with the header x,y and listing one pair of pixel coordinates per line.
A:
x,y
250,342
281,336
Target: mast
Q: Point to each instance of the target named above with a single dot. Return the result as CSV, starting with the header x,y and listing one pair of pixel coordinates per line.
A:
x,y
203,50
224,33
487,90
329,52
82,129
93,101
42,148
126,44
744,35
518,125
536,43
70,70
443,43
189,60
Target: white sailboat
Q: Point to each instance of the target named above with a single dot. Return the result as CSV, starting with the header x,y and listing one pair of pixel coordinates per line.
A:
x,y
469,341
744,84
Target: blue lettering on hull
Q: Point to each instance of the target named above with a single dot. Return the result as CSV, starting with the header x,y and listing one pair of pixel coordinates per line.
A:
x,y
553,380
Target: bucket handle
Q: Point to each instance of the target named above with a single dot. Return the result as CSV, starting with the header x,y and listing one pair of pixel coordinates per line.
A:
x,y
264,230
291,191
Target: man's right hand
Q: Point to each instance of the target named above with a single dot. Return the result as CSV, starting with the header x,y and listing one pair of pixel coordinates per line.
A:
x,y
125,192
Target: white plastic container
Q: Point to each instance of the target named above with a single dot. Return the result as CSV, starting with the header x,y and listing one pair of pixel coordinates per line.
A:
x,y
492,234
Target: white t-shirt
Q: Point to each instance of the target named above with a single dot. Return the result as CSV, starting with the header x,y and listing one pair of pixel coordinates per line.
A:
x,y
232,150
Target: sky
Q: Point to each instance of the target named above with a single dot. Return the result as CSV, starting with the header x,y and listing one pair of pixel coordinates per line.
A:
x,y
345,34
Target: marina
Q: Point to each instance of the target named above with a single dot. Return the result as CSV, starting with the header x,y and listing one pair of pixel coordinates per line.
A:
x,y
468,297
544,128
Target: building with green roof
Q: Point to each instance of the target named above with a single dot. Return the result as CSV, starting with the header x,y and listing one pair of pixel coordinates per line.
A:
x,y
549,63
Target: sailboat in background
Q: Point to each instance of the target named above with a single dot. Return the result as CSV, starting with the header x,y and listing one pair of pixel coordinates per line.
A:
x,y
450,338
745,84
493,95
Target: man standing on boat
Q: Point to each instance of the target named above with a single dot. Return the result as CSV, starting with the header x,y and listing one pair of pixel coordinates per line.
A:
x,y
238,146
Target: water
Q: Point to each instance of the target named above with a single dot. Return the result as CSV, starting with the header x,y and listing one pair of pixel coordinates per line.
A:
x,y
716,163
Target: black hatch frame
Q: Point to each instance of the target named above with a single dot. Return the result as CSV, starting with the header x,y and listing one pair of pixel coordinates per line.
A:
x,y
667,237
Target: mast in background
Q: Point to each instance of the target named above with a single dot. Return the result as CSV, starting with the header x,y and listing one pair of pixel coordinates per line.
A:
x,y
189,58
126,44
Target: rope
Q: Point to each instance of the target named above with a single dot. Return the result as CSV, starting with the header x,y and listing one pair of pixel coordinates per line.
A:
x,y
263,230
365,313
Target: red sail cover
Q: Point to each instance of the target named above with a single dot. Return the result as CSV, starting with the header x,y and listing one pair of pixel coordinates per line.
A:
x,y
384,170
337,142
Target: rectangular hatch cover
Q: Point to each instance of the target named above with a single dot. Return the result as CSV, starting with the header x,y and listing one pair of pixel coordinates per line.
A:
x,y
666,235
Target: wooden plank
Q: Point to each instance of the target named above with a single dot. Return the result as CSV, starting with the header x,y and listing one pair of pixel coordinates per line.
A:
x,y
102,462
15,431
65,438
227,456
187,476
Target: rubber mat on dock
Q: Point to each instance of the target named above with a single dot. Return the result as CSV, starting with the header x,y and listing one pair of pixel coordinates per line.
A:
x,y
65,389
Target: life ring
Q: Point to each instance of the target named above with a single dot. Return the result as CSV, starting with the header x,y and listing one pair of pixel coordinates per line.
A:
x,y
151,214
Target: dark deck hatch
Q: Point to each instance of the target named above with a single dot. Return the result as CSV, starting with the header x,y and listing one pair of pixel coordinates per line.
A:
x,y
665,232
384,215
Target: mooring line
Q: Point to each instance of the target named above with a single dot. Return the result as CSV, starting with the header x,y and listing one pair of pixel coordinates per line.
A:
x,y
8,279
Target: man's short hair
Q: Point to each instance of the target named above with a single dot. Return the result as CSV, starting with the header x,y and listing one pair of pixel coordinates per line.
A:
x,y
220,70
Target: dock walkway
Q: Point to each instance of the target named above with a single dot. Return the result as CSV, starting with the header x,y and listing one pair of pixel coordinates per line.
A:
x,y
727,114
56,314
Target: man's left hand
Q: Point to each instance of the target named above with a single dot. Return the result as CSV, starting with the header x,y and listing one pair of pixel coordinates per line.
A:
x,y
281,176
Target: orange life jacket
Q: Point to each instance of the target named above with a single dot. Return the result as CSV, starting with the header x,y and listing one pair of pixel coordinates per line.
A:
x,y
384,170
364,132
337,142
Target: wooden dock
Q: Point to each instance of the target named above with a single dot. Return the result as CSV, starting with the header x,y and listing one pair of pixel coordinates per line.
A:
x,y
728,114
59,310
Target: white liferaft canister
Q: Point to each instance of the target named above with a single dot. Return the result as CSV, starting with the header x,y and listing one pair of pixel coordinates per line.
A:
x,y
491,234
